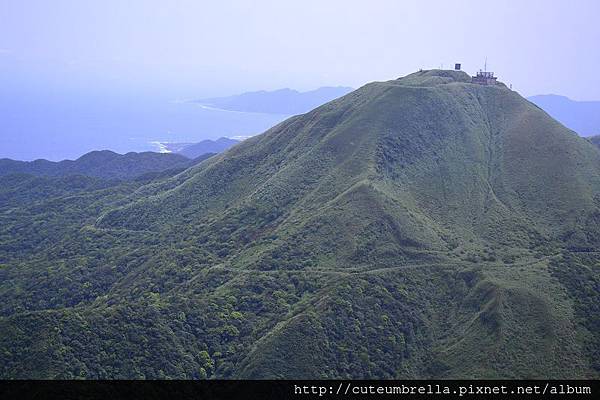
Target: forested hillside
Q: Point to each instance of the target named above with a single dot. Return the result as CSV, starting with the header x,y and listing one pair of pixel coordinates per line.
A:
x,y
101,164
423,227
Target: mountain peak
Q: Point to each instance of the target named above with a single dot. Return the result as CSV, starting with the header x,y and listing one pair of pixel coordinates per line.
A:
x,y
434,77
429,169
401,210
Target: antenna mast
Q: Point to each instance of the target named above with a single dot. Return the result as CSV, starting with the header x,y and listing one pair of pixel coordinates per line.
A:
x,y
485,65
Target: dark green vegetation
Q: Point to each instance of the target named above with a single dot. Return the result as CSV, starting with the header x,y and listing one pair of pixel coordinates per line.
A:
x,y
422,227
102,164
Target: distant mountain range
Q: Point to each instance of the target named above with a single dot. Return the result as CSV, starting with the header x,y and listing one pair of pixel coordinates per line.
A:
x,y
595,140
102,164
282,101
581,116
193,150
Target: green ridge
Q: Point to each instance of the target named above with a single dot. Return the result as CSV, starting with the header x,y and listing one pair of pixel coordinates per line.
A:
x,y
424,227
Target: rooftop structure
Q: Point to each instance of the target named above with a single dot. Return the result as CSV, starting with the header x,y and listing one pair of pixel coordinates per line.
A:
x,y
484,78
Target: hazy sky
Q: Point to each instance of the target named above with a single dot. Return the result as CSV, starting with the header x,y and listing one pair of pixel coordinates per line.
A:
x,y
189,48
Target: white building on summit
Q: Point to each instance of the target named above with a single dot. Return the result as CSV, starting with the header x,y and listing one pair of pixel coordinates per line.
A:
x,y
484,78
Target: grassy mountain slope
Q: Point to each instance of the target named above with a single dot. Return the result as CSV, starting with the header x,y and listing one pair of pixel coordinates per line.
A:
x,y
413,228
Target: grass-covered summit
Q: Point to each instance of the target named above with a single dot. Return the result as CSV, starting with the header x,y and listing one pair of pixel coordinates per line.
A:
x,y
421,227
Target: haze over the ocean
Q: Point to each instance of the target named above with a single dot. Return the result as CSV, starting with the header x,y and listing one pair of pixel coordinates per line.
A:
x,y
101,73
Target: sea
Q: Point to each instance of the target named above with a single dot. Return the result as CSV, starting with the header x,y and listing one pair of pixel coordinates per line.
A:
x,y
66,125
